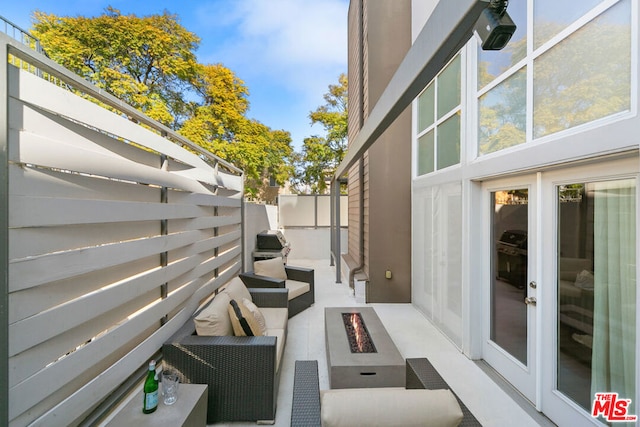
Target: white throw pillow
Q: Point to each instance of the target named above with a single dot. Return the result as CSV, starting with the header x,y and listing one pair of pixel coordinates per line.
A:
x,y
271,268
257,314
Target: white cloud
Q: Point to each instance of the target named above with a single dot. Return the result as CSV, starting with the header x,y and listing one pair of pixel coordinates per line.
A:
x,y
298,32
301,43
287,51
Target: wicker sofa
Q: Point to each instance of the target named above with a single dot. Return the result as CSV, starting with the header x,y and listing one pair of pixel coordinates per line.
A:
x,y
242,372
425,401
273,273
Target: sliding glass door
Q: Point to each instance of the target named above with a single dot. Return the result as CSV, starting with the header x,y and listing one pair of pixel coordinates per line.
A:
x,y
560,298
592,333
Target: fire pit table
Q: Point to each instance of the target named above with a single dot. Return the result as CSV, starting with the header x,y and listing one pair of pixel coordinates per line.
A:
x,y
360,352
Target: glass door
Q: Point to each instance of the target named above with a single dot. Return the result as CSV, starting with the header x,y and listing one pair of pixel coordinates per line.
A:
x,y
510,281
591,264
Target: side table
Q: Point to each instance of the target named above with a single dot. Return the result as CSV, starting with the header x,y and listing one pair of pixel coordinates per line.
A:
x,y
190,410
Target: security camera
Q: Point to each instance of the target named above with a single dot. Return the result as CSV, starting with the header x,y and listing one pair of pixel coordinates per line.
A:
x,y
494,28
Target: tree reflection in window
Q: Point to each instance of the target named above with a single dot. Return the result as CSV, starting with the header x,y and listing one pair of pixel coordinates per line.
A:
x,y
502,117
585,77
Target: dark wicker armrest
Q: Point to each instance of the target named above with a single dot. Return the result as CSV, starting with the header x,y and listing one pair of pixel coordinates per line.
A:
x,y
252,280
422,374
240,372
277,298
305,409
300,274
193,341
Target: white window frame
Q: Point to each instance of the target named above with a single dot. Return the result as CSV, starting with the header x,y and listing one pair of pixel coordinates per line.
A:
x,y
460,108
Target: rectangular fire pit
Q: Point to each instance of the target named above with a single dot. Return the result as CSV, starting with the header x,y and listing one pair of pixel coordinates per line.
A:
x,y
360,352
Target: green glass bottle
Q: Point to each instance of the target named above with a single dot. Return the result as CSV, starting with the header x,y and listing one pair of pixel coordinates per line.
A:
x,y
150,402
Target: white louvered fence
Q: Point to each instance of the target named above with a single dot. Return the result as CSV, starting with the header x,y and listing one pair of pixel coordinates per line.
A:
x,y
111,235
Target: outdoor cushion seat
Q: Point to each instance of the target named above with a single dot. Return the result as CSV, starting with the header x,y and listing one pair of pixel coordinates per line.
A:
x,y
296,288
273,273
414,405
242,372
275,318
281,338
388,406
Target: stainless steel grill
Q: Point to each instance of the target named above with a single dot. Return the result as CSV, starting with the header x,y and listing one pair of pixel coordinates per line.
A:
x,y
271,244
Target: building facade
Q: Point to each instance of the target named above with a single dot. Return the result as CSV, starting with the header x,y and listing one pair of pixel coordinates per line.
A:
x,y
524,189
379,245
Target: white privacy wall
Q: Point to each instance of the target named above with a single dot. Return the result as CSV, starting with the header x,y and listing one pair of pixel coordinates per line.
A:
x,y
111,228
309,210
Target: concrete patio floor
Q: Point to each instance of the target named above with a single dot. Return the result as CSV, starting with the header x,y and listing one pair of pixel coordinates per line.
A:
x,y
491,402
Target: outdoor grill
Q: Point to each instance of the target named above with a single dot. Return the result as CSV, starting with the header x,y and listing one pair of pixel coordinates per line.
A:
x,y
271,244
512,257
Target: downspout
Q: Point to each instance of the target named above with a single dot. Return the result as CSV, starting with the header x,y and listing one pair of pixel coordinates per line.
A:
x,y
360,267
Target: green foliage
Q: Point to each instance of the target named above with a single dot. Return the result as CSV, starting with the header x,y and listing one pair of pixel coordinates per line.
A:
x,y
145,61
321,155
219,124
150,63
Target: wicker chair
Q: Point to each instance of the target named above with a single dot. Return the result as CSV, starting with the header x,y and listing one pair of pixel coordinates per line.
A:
x,y
241,372
297,304
306,410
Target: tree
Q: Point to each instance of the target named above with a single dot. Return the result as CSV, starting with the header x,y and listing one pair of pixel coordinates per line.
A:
x,y
321,155
220,125
147,62
150,63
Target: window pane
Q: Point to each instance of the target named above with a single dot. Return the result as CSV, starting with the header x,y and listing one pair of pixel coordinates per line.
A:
x,y
550,17
585,77
502,114
509,249
449,142
449,87
492,63
596,282
426,108
425,153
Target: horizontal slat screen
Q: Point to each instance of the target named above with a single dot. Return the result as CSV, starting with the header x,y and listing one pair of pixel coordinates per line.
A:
x,y
103,214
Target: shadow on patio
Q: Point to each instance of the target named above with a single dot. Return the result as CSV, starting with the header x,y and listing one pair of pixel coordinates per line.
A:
x,y
414,336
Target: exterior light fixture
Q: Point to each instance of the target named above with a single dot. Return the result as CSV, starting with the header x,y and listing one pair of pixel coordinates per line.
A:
x,y
494,26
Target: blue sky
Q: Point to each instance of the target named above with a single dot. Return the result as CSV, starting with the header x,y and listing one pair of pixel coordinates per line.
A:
x,y
286,51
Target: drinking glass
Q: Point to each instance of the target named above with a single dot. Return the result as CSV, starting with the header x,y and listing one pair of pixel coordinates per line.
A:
x,y
170,382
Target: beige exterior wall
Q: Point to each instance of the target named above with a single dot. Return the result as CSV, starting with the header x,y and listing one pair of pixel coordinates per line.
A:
x,y
379,37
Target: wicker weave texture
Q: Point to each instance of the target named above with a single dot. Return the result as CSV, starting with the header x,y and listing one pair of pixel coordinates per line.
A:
x,y
240,371
305,410
300,274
